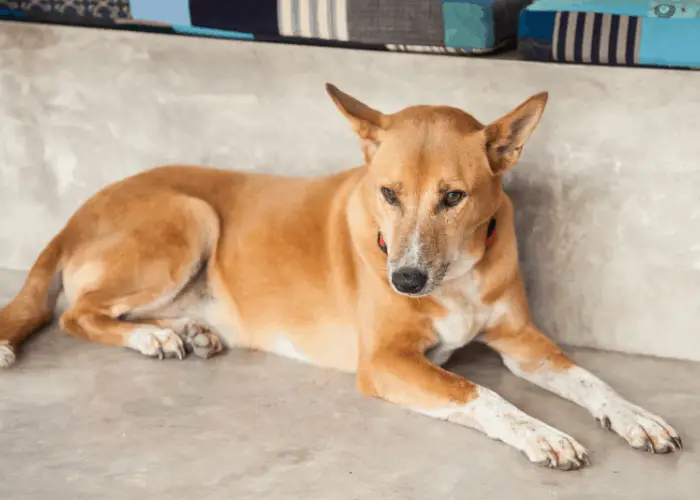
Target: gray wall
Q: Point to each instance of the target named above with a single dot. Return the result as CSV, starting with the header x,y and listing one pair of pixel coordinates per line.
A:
x,y
606,193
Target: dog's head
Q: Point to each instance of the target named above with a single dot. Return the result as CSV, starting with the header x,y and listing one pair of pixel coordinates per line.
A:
x,y
434,183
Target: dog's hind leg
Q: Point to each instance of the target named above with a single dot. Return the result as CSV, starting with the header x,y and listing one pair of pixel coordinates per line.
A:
x,y
119,284
95,317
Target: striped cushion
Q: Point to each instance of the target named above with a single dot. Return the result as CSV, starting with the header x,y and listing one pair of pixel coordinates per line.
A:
x,y
429,26
322,19
620,32
591,37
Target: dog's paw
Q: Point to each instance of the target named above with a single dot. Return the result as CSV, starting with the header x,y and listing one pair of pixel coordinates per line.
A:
x,y
545,446
542,444
157,342
641,429
201,340
7,354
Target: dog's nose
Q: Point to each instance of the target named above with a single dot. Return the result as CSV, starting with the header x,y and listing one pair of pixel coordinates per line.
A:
x,y
409,280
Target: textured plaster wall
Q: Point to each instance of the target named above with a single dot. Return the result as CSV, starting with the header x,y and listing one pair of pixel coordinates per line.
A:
x,y
607,192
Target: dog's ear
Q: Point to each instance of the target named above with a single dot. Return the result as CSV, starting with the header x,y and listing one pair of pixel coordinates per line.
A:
x,y
506,136
368,123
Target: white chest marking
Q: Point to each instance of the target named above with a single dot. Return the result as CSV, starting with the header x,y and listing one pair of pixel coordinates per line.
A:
x,y
284,347
467,316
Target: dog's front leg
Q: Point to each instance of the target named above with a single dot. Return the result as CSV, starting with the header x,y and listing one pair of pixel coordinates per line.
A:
x,y
398,372
529,354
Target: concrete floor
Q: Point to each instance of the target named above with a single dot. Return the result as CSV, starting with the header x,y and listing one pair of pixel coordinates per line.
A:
x,y
79,420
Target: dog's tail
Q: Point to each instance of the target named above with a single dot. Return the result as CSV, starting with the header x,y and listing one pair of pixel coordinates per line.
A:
x,y
34,305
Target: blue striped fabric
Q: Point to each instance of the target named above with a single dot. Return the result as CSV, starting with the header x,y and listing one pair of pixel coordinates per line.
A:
x,y
619,32
429,26
616,44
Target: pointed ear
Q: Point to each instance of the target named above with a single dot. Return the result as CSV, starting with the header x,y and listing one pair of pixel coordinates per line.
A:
x,y
368,123
506,136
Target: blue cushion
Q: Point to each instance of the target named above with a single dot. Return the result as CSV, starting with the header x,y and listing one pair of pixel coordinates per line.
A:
x,y
480,24
623,32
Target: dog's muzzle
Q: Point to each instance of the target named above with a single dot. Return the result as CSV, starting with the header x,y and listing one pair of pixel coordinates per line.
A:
x,y
409,280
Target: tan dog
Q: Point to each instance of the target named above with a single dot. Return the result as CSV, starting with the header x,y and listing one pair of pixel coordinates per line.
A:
x,y
383,270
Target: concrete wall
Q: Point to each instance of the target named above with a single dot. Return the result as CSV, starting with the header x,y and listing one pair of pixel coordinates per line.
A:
x,y
607,191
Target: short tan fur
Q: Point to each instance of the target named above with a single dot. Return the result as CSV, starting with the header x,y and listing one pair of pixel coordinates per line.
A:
x,y
185,259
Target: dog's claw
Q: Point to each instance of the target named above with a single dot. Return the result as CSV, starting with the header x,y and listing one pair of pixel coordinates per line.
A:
x,y
643,430
571,463
567,466
649,441
605,423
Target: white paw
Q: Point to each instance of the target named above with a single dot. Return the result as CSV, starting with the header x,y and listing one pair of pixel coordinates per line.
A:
x,y
497,418
7,354
641,429
548,447
157,342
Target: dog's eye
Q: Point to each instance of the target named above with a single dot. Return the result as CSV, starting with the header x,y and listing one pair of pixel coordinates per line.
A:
x,y
452,198
390,196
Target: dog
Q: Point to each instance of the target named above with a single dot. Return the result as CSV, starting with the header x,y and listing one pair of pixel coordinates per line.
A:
x,y
382,271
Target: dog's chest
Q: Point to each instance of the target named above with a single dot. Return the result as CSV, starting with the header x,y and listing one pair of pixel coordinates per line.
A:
x,y
466,317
